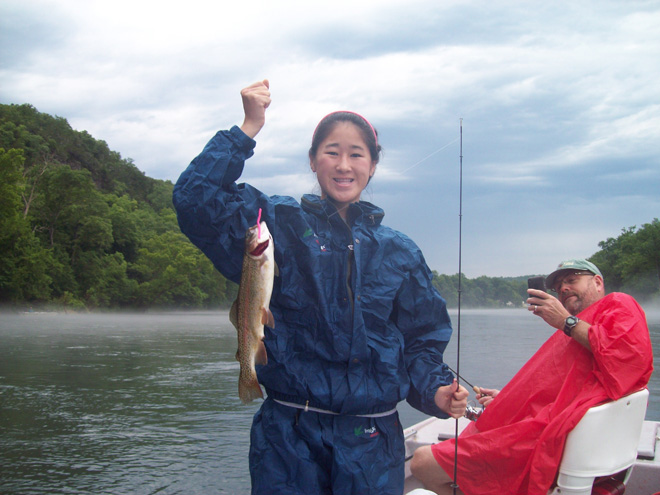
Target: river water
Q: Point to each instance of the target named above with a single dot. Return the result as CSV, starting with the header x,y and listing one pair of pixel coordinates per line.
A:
x,y
146,404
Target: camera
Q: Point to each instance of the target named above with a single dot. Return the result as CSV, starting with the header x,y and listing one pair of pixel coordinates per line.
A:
x,y
536,283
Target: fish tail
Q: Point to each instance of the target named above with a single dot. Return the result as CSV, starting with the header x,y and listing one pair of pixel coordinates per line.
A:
x,y
249,390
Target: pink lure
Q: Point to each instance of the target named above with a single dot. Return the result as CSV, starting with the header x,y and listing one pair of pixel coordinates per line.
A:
x,y
259,225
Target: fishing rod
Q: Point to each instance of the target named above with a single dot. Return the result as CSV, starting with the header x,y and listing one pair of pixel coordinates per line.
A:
x,y
476,389
460,277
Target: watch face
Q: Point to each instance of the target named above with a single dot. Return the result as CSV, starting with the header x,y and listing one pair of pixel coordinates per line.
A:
x,y
569,324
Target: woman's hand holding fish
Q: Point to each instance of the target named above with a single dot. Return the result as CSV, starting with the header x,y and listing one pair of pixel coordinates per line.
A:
x,y
452,399
256,99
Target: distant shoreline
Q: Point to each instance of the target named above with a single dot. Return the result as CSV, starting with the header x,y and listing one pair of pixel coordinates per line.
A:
x,y
649,307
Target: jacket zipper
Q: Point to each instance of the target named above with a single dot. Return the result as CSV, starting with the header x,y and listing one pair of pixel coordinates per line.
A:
x,y
349,271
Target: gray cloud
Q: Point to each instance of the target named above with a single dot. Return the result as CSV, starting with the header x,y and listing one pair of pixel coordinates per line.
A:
x,y
559,101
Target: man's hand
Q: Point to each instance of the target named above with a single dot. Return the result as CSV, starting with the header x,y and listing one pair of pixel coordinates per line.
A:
x,y
547,307
452,399
256,99
554,313
486,395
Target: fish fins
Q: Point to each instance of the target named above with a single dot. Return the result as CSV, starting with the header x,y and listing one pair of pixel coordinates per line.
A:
x,y
267,318
261,356
233,314
249,391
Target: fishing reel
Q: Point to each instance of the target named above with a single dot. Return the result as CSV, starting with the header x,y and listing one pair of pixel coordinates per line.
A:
x,y
472,411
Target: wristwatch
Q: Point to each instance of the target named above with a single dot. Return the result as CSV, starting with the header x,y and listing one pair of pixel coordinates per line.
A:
x,y
569,324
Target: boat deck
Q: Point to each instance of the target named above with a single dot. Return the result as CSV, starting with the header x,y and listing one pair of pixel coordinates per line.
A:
x,y
644,480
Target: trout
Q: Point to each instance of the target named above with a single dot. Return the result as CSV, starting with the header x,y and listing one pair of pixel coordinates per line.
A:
x,y
250,312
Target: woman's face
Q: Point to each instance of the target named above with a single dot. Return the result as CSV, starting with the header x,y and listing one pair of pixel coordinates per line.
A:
x,y
343,165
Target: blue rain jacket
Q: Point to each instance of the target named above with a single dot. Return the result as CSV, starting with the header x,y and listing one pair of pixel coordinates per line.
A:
x,y
358,325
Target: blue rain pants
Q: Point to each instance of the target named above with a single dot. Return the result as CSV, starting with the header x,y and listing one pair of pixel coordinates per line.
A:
x,y
305,452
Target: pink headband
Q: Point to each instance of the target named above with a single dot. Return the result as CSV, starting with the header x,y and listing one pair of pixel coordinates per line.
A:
x,y
353,113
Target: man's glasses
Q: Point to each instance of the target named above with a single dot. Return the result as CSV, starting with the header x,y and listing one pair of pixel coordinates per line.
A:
x,y
570,279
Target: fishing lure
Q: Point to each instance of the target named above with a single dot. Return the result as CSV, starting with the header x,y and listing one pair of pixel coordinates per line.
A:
x,y
259,225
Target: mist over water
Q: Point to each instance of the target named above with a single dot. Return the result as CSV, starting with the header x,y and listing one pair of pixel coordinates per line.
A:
x,y
121,404
143,404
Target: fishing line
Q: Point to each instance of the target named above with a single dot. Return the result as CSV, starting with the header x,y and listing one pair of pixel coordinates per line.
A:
x,y
460,276
428,156
474,387
406,170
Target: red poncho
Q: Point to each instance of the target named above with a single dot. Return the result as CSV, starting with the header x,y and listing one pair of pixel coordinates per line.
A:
x,y
516,445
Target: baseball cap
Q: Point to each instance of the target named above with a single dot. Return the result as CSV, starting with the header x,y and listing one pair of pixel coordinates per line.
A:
x,y
571,265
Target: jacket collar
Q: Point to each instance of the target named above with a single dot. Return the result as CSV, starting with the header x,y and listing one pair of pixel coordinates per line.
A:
x,y
360,212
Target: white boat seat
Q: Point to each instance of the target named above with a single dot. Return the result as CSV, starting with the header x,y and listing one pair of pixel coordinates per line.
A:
x,y
603,443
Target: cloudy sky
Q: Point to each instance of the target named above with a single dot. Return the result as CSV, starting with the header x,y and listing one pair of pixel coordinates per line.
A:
x,y
560,104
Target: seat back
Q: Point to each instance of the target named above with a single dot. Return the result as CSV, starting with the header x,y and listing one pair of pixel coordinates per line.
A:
x,y
605,440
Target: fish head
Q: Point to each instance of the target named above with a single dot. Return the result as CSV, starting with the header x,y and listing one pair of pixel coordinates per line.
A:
x,y
256,244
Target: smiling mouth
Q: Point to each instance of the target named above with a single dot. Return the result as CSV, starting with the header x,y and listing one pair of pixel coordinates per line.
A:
x,y
343,181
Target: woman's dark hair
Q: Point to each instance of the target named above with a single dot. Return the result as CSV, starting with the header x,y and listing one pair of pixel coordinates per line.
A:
x,y
328,123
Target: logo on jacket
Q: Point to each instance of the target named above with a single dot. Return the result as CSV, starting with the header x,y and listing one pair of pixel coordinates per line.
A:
x,y
361,431
310,232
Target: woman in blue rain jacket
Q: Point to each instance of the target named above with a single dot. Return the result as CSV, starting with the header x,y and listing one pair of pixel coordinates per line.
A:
x,y
358,325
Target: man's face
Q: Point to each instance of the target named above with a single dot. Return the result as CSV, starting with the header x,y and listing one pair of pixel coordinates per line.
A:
x,y
579,290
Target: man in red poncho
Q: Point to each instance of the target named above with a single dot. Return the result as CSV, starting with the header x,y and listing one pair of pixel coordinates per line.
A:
x,y
601,352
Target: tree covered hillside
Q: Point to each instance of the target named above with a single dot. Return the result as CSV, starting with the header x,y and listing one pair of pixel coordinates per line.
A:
x,y
81,227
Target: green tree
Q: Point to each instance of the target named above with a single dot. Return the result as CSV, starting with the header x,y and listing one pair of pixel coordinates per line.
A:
x,y
160,197
631,262
447,286
83,227
11,187
29,277
65,197
125,226
174,273
24,264
646,261
105,280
